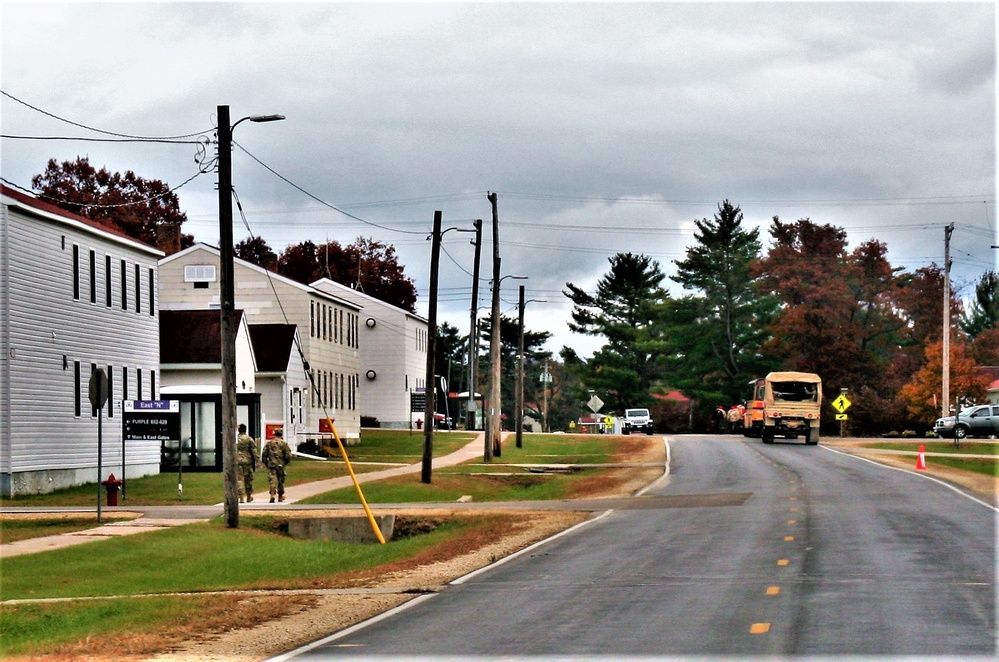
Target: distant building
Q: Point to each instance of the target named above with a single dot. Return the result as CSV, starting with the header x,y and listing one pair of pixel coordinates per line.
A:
x,y
191,367
281,379
393,356
189,280
75,297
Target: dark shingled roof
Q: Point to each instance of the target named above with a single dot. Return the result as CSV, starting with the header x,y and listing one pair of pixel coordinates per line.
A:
x,y
192,336
272,345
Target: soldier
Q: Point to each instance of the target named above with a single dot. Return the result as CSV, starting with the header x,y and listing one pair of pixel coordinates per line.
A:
x,y
275,456
247,458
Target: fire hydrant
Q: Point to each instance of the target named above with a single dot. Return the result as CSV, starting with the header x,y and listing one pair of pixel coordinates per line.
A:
x,y
111,485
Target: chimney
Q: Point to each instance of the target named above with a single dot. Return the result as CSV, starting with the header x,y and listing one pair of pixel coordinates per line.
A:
x,y
168,238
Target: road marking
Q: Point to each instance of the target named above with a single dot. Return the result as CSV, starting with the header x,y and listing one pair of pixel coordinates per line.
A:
x,y
794,510
773,590
794,498
792,521
783,562
759,628
788,538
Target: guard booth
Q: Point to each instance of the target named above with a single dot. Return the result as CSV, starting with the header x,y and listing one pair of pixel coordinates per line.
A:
x,y
200,444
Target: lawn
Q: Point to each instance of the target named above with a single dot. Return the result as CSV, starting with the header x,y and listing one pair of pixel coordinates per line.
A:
x,y
14,528
143,570
954,459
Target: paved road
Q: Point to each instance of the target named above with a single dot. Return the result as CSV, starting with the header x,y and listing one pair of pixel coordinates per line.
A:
x,y
747,549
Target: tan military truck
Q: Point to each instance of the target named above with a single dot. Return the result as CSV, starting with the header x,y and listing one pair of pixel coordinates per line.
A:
x,y
791,406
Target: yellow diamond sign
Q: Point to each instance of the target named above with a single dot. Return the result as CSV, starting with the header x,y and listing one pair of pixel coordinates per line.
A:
x,y
841,404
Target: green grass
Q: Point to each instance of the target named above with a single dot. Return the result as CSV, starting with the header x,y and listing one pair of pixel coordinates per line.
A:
x,y
496,480
399,446
989,467
40,627
968,447
197,557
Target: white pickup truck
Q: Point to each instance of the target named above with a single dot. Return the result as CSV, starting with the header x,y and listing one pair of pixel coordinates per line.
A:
x,y
636,420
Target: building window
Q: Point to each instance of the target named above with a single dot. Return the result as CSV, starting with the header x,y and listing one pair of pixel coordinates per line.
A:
x,y
152,384
138,383
138,288
199,273
110,392
323,316
312,319
78,389
124,383
124,286
93,276
152,292
107,282
76,272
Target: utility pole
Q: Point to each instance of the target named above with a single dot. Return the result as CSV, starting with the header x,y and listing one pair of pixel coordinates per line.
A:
x,y
520,373
494,427
473,331
945,381
227,306
545,378
431,383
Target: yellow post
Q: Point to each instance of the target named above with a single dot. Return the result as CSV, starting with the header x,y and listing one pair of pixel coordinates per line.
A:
x,y
357,486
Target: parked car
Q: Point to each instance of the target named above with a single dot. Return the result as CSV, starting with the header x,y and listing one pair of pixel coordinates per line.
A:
x,y
978,421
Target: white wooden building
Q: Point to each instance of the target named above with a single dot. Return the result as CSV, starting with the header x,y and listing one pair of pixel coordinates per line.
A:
x,y
393,356
74,297
281,379
328,328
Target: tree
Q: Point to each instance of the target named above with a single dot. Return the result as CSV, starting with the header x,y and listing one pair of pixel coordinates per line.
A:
x,y
256,250
367,265
717,336
143,209
627,310
534,354
967,382
984,312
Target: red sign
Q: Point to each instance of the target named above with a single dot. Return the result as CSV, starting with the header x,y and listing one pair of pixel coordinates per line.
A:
x,y
326,425
269,429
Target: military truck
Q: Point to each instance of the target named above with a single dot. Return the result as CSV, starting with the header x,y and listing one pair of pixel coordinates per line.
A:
x,y
784,403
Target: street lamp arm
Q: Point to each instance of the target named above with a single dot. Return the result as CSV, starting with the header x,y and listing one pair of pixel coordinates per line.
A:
x,y
257,118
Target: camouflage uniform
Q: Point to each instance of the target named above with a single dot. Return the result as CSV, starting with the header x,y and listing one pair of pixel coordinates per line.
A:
x,y
275,456
247,458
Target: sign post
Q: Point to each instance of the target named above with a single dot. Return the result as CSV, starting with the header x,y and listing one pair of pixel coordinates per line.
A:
x,y
841,404
98,392
153,420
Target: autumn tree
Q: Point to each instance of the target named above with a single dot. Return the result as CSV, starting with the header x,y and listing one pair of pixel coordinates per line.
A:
x,y
256,251
370,266
627,310
923,394
716,335
144,209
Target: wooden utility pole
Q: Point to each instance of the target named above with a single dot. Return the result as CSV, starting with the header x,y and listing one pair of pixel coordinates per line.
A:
x,y
945,378
227,308
473,331
494,427
431,384
520,374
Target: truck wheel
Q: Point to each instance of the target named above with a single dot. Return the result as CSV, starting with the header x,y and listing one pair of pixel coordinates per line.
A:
x,y
812,437
961,432
768,437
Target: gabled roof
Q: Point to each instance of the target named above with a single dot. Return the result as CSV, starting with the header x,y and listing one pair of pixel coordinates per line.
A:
x,y
264,272
192,336
272,345
49,211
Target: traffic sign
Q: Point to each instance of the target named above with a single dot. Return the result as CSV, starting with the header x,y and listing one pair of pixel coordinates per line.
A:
x,y
595,404
842,417
98,388
151,420
841,404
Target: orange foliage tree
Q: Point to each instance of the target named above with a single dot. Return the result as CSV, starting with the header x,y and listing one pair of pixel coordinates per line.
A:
x,y
923,393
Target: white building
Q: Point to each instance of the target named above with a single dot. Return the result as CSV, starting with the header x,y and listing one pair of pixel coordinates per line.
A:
x,y
189,280
281,379
74,297
393,356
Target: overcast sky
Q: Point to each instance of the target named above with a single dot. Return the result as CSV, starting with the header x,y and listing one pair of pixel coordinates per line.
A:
x,y
603,128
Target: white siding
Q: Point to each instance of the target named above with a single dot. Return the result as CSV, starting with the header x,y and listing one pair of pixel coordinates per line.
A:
x,y
394,347
47,332
335,361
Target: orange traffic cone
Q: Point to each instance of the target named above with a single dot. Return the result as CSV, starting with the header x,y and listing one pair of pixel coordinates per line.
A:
x,y
921,459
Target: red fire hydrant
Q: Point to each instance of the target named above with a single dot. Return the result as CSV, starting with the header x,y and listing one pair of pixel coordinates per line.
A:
x,y
111,485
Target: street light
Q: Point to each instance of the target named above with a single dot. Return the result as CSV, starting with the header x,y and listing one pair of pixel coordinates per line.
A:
x,y
227,307
520,369
494,429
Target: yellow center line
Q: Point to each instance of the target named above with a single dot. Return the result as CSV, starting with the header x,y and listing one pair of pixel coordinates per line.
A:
x,y
773,590
788,538
759,628
783,562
